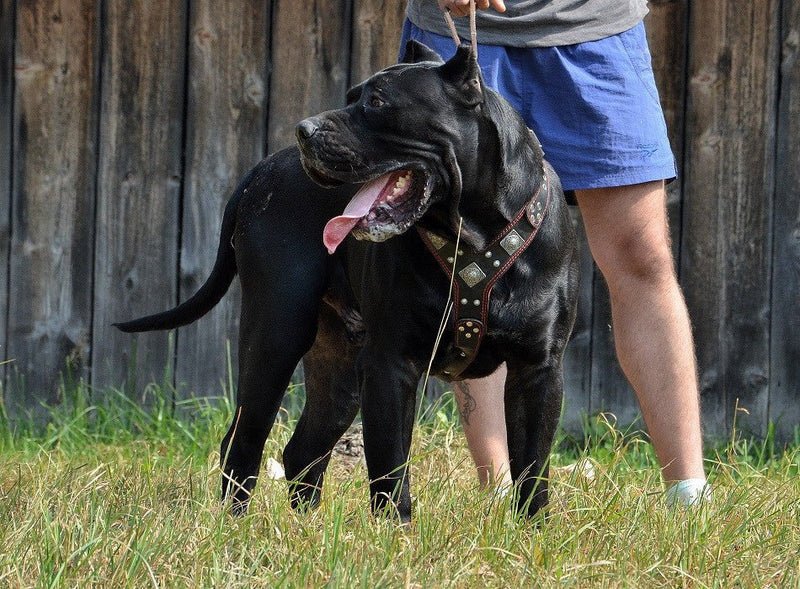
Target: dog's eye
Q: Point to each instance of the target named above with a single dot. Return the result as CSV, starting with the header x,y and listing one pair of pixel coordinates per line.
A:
x,y
376,102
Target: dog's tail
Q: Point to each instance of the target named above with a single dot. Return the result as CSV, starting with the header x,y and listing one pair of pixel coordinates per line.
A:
x,y
214,288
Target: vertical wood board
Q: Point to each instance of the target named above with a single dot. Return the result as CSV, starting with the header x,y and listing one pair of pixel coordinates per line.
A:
x,y
53,197
7,27
377,25
578,356
727,214
226,132
139,187
784,402
310,63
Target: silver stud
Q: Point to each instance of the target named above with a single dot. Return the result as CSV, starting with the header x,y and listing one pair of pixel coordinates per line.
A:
x,y
437,241
450,260
496,263
469,323
488,254
476,330
511,242
464,301
463,355
461,328
476,302
460,252
468,335
472,274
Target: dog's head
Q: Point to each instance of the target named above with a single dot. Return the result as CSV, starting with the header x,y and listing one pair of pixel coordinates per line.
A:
x,y
408,133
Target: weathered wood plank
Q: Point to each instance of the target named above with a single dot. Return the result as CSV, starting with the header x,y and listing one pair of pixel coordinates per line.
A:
x,y
225,136
578,357
310,63
784,401
7,26
377,25
666,31
139,186
726,241
53,197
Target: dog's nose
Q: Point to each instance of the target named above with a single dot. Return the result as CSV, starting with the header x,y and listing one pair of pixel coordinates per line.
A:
x,y
306,129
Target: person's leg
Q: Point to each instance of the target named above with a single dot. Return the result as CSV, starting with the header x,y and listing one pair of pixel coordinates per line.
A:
x,y
628,235
480,404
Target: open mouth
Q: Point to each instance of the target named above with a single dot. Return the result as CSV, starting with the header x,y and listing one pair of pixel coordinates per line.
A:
x,y
382,208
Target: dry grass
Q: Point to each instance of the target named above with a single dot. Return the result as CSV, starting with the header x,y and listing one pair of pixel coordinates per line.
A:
x,y
84,507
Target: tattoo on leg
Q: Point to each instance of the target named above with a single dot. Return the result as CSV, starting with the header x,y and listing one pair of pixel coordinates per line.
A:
x,y
469,403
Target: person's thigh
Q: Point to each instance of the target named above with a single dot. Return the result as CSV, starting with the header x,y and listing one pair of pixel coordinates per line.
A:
x,y
628,234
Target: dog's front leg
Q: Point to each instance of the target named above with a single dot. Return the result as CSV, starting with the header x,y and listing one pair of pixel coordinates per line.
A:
x,y
533,405
388,394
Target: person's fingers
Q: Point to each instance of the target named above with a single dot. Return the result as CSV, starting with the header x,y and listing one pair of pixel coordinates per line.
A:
x,y
453,4
461,7
455,7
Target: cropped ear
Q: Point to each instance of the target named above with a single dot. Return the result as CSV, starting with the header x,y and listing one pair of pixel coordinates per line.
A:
x,y
353,93
464,74
416,52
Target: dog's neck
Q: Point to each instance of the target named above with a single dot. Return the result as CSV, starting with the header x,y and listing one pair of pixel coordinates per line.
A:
x,y
493,191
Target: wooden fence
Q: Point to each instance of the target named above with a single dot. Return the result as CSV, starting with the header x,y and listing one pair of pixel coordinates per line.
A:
x,y
125,125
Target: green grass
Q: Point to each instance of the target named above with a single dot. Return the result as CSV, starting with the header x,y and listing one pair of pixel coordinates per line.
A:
x,y
110,495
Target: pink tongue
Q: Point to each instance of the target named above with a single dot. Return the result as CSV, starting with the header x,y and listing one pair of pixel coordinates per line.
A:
x,y
337,228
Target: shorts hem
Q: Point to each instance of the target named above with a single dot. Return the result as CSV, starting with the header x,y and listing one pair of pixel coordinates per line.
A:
x,y
629,178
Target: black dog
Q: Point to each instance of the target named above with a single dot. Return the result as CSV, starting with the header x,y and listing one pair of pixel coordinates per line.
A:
x,y
442,160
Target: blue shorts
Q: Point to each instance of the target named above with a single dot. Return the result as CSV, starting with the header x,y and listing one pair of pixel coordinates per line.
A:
x,y
594,105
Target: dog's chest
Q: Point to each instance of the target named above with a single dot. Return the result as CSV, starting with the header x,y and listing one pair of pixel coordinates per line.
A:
x,y
473,275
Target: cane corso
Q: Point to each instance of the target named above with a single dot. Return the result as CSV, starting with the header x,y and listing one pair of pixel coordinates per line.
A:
x,y
458,221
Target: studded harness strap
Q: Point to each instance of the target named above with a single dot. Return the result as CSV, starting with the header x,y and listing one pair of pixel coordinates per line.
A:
x,y
479,271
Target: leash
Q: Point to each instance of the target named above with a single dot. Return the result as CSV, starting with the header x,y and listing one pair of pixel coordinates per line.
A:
x,y
448,308
473,28
473,32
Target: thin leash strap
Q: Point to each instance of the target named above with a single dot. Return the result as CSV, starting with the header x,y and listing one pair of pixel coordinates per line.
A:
x,y
448,308
452,26
473,28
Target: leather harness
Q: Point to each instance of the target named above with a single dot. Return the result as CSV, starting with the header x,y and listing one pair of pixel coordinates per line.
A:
x,y
478,273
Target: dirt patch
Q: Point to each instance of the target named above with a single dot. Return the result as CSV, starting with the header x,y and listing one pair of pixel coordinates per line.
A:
x,y
350,447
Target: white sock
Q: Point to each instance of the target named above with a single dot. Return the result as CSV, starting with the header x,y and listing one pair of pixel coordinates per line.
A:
x,y
688,492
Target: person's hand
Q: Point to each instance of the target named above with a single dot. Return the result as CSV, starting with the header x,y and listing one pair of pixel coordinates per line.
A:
x,y
461,7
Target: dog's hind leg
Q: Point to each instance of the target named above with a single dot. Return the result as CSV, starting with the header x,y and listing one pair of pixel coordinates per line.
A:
x,y
280,304
533,406
332,401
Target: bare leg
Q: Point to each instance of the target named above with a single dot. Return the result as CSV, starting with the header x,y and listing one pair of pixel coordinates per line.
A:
x,y
628,235
480,404
629,238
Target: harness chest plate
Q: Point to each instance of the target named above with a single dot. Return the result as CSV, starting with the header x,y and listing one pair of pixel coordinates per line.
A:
x,y
476,273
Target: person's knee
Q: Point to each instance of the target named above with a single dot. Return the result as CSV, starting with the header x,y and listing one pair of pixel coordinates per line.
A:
x,y
628,234
636,260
